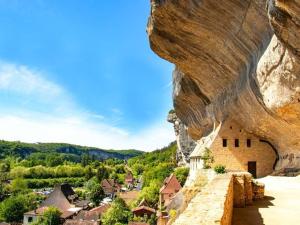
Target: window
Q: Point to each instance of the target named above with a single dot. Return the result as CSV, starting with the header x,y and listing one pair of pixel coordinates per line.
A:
x,y
30,219
224,142
236,142
248,143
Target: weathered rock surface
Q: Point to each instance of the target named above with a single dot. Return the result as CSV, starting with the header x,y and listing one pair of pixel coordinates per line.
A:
x,y
234,59
185,144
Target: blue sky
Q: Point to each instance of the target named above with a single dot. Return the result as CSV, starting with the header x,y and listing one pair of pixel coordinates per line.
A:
x,y
82,72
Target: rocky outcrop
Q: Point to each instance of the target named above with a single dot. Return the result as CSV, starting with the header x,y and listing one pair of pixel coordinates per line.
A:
x,y
234,59
185,144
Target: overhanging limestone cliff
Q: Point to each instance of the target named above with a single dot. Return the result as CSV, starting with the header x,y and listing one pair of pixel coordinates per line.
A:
x,y
234,59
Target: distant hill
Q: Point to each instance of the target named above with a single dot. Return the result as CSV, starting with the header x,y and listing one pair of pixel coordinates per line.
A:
x,y
23,150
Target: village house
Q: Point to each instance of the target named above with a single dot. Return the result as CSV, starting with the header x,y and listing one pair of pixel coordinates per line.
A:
x,y
110,187
63,198
236,149
129,180
91,217
143,209
170,187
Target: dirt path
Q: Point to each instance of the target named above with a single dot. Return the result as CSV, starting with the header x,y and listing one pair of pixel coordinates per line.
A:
x,y
281,205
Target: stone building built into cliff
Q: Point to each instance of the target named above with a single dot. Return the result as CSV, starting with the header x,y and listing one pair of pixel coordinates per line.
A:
x,y
237,150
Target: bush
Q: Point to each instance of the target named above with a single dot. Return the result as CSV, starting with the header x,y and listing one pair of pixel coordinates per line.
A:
x,y
13,208
220,169
19,185
207,158
96,195
181,174
151,193
50,217
118,213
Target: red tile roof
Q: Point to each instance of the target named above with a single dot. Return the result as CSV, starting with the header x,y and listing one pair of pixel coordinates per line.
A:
x,y
110,186
171,185
92,215
129,177
101,209
142,210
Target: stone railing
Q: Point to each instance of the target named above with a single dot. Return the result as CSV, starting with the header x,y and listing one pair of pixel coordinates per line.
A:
x,y
214,204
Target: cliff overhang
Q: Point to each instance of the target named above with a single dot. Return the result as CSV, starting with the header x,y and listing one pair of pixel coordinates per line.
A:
x,y
235,59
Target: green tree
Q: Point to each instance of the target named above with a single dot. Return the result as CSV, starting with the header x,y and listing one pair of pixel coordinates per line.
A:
x,y
19,185
13,208
85,159
118,213
51,216
102,173
181,174
151,193
138,169
97,194
88,173
53,160
91,183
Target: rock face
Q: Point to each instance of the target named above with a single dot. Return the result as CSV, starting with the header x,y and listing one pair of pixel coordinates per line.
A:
x,y
235,59
185,144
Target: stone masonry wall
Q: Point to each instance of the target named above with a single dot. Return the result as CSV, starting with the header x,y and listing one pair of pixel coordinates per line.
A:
x,y
214,204
237,158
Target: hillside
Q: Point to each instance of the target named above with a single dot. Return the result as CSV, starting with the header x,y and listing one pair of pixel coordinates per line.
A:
x,y
23,150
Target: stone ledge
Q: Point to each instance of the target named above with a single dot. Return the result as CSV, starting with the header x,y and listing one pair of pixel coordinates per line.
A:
x,y
214,204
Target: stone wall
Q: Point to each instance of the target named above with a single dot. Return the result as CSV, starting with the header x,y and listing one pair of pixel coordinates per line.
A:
x,y
237,158
214,204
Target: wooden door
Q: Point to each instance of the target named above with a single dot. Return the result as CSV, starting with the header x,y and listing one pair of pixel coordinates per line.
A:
x,y
252,168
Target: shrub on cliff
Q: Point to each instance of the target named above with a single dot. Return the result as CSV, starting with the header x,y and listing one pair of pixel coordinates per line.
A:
x,y
220,169
207,158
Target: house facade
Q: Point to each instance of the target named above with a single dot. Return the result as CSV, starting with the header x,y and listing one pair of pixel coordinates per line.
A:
x,y
230,145
129,180
170,187
110,187
91,217
63,198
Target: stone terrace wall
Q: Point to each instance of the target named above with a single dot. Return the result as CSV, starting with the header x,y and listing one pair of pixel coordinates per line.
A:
x,y
214,204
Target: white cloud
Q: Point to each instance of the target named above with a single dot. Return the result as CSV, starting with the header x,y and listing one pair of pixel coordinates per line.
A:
x,y
23,80
72,124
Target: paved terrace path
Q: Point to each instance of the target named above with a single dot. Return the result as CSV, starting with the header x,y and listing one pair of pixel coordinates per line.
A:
x,y
281,205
